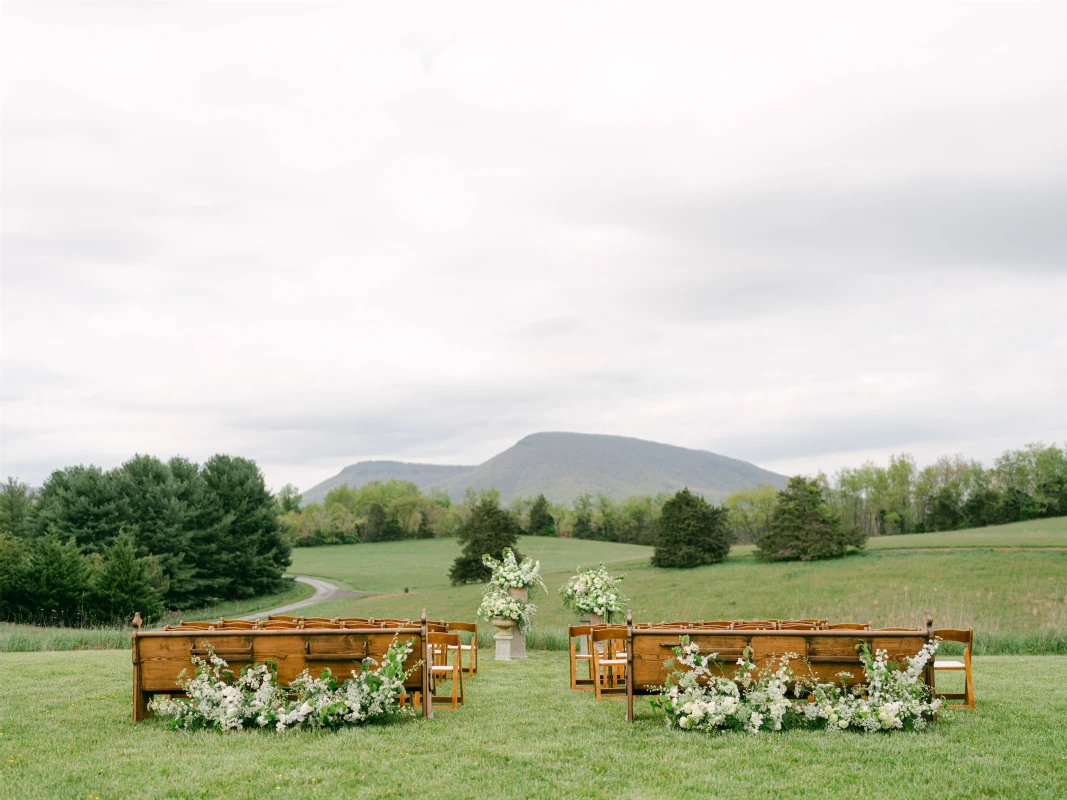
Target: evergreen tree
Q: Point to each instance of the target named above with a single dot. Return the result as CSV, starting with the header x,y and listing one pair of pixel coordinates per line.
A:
x,y
251,553
123,585
541,521
489,530
13,554
379,526
804,526
692,533
155,515
583,526
83,503
52,586
16,508
204,530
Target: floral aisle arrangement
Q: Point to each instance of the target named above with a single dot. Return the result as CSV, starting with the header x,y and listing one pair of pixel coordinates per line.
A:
x,y
508,573
216,698
594,591
496,603
701,696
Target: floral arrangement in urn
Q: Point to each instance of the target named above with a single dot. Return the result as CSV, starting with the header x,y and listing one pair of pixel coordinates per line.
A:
x,y
496,603
216,698
697,698
509,573
507,594
594,590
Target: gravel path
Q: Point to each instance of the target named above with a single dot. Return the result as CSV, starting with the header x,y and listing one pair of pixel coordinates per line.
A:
x,y
324,590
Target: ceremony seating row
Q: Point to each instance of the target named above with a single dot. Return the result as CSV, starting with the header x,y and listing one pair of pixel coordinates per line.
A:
x,y
292,643
634,655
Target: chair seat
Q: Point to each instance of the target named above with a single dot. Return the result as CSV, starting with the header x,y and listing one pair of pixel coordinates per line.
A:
x,y
939,664
441,668
459,647
582,655
614,662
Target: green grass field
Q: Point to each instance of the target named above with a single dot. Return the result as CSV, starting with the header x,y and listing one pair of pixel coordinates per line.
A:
x,y
1015,598
65,732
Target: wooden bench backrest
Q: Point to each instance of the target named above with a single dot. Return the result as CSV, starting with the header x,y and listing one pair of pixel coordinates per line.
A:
x,y
160,656
828,652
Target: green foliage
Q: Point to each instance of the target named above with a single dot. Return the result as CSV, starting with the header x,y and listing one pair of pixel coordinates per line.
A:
x,y
541,523
52,585
804,526
692,533
80,502
749,512
16,508
250,551
289,499
489,531
124,585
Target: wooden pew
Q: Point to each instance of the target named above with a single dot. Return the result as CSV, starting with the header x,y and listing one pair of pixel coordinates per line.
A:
x,y
160,656
829,652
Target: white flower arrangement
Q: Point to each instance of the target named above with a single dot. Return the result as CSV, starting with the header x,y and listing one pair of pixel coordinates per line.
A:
x,y
508,573
254,699
695,698
498,603
594,591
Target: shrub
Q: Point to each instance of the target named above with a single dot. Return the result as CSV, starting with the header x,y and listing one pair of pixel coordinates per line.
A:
x,y
541,521
803,526
489,531
691,533
124,585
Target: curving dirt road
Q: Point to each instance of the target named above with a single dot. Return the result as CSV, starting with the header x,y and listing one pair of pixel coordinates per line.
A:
x,y
324,590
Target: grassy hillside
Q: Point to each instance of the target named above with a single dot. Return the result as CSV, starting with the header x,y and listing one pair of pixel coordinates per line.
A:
x,y
1016,598
425,476
564,465
523,733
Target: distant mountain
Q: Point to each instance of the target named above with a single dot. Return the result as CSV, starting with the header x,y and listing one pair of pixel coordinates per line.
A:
x,y
563,465
425,476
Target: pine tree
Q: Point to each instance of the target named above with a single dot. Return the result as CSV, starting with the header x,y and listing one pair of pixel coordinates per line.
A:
x,y
583,526
123,586
489,530
52,586
803,526
541,521
250,550
692,533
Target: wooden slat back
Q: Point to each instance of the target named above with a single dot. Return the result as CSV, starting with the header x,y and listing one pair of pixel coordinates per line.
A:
x,y
949,635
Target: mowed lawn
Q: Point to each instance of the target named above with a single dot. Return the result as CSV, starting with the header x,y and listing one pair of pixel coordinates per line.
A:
x,y
66,733
965,578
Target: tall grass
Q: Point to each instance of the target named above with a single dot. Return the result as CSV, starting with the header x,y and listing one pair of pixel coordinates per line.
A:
x,y
33,638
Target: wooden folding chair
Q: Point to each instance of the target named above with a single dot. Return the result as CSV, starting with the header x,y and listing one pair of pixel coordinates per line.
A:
x,y
611,659
470,649
441,642
967,638
713,625
800,624
580,632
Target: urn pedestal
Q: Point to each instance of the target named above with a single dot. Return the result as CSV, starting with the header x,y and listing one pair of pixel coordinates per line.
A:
x,y
518,638
505,638
587,619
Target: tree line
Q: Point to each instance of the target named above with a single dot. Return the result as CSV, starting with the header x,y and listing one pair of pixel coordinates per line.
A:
x,y
953,493
95,546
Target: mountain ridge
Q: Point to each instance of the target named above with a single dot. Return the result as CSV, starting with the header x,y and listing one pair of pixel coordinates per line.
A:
x,y
563,465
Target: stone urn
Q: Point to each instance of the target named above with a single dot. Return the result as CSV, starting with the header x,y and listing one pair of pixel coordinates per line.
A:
x,y
507,629
518,638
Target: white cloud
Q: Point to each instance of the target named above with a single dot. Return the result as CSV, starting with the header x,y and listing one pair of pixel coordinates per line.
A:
x,y
314,234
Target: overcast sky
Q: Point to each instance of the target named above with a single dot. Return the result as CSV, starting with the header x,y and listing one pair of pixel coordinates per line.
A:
x,y
800,235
